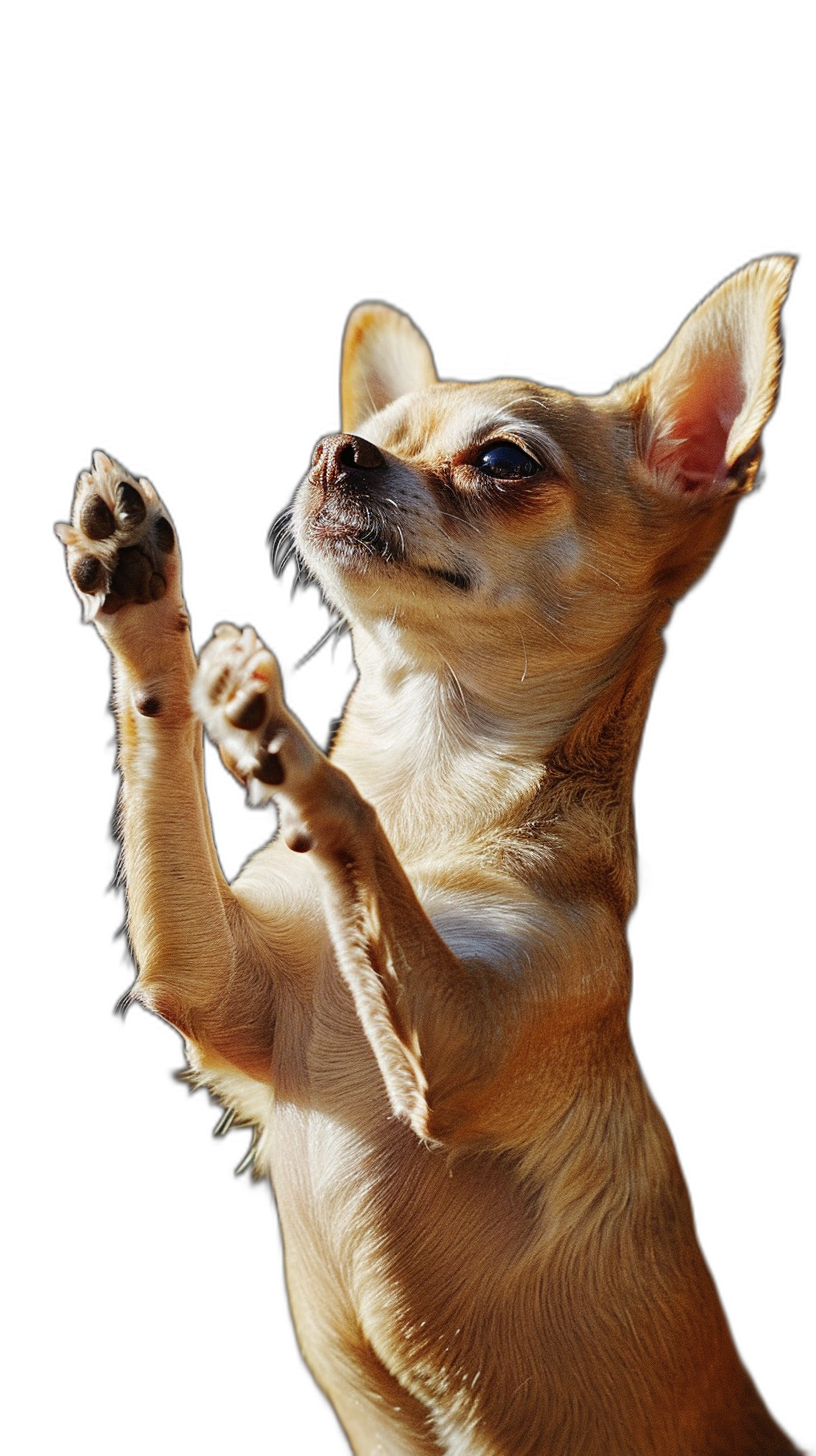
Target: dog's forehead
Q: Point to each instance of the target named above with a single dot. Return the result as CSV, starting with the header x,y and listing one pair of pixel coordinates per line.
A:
x,y
442,421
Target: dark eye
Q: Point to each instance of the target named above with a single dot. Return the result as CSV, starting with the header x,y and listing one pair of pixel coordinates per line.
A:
x,y
504,461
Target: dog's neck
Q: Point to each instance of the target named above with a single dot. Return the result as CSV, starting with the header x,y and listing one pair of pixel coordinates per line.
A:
x,y
451,753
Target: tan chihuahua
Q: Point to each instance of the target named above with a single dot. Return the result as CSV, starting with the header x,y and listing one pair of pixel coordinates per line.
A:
x,y
418,993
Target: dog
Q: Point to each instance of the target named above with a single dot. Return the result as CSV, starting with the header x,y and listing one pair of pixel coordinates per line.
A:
x,y
417,994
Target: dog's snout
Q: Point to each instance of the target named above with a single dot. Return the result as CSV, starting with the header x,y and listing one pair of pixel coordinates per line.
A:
x,y
342,456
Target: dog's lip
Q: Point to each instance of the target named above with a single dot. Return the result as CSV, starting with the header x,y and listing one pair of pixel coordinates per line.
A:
x,y
336,524
353,534
352,531
346,546
347,516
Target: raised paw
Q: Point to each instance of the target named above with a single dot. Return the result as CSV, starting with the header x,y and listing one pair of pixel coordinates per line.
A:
x,y
238,696
120,545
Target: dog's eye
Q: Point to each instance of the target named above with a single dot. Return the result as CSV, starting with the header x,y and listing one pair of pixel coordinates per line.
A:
x,y
505,461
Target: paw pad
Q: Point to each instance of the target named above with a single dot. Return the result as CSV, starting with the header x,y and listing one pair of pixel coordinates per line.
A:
x,y
97,519
249,715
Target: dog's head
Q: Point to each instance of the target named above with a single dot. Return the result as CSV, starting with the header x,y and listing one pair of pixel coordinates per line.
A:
x,y
454,513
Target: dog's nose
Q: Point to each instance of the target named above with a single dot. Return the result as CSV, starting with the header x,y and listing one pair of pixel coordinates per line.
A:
x,y
339,458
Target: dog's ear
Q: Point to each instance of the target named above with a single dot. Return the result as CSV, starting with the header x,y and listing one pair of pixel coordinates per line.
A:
x,y
702,405
384,356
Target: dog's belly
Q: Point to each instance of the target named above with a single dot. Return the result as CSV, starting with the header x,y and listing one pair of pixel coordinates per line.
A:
x,y
442,1310
395,1258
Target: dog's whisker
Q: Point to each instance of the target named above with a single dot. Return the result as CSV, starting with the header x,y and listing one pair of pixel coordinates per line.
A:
x,y
545,627
591,565
523,677
334,630
280,535
245,1164
453,679
224,1122
462,521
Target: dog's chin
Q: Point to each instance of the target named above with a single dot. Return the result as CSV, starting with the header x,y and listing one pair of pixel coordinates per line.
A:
x,y
354,570
351,548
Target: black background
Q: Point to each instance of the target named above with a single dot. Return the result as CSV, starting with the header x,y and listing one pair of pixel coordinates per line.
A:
x,y
198,342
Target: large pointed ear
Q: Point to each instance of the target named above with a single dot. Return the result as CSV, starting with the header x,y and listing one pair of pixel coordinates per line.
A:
x,y
384,356
702,405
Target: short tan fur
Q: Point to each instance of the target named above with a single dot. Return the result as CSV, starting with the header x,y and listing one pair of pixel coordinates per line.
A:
x,y
419,992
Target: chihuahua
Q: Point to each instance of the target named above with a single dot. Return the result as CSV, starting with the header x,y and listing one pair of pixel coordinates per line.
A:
x,y
417,993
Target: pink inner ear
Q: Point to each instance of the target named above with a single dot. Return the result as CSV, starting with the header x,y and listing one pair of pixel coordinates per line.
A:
x,y
701,423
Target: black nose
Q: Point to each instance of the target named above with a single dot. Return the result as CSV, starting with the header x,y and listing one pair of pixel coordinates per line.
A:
x,y
339,458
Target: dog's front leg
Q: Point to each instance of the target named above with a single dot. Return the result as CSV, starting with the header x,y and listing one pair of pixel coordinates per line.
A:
x,y
123,559
421,1007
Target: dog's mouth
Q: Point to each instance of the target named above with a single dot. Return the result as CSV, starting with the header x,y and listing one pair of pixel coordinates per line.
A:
x,y
352,528
358,539
347,517
356,535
